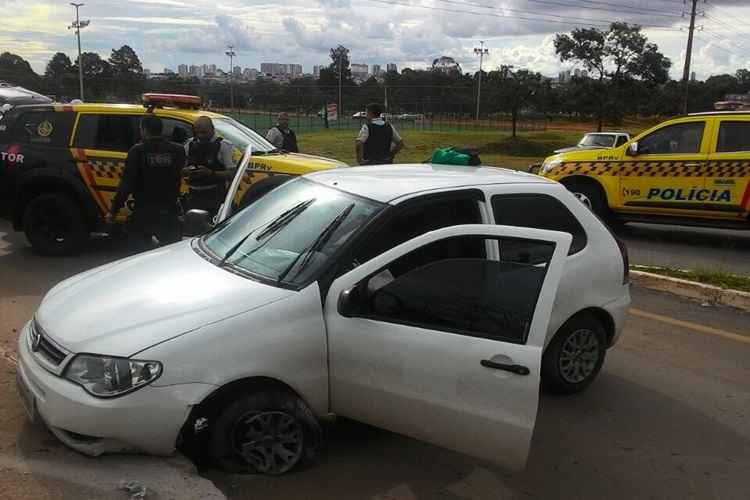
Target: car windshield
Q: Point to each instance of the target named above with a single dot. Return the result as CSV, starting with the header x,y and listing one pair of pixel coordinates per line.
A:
x,y
602,140
288,235
241,136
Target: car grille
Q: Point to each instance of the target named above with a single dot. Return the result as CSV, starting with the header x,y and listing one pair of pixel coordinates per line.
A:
x,y
42,345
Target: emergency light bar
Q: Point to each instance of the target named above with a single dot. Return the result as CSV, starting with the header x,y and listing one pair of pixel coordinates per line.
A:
x,y
152,100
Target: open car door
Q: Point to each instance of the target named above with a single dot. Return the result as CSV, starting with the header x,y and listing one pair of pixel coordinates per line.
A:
x,y
441,337
227,208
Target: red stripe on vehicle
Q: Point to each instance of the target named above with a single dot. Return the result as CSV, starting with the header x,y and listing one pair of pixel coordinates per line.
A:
x,y
746,196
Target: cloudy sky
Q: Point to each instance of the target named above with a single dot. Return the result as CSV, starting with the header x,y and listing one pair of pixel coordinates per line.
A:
x,y
411,33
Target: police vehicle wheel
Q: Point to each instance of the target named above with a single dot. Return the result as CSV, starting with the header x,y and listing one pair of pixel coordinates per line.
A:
x,y
261,188
593,197
54,224
268,432
575,356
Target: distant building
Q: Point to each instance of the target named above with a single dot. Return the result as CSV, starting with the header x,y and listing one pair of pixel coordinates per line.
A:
x,y
168,71
211,69
316,71
295,70
577,73
376,70
692,76
147,73
445,64
564,76
585,74
182,70
250,74
237,71
391,67
195,71
360,71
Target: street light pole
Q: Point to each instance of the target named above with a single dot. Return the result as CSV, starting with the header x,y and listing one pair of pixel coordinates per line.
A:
x,y
481,51
78,25
341,71
231,53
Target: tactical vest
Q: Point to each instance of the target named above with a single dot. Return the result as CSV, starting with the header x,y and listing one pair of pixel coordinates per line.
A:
x,y
377,147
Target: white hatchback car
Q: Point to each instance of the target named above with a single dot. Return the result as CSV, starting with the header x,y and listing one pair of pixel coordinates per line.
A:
x,y
411,297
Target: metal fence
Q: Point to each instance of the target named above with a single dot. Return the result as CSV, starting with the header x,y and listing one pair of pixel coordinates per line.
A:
x,y
302,123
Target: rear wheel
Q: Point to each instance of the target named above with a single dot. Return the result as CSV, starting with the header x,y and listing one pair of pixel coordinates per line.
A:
x,y
54,224
593,197
575,356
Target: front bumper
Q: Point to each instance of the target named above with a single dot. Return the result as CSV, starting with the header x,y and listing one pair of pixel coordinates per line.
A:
x,y
148,420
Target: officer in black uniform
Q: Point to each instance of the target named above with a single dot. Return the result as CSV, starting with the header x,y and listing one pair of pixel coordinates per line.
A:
x,y
152,175
282,136
378,142
210,166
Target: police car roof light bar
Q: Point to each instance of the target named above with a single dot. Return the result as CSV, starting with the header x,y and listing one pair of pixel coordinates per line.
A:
x,y
181,101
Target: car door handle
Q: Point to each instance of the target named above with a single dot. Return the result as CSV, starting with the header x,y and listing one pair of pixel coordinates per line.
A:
x,y
517,369
694,164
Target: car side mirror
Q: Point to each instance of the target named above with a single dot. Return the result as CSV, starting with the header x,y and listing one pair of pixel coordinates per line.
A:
x,y
196,222
347,301
632,149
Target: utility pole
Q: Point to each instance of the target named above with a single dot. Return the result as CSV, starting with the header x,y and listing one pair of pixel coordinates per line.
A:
x,y
78,25
341,72
688,54
231,53
481,51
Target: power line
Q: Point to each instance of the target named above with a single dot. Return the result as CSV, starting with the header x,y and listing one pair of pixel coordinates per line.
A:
x,y
608,8
728,51
722,39
726,38
730,15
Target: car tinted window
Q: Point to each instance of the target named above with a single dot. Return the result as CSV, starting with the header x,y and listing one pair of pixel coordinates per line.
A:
x,y
176,131
469,295
418,218
672,139
621,140
733,136
107,132
46,127
537,211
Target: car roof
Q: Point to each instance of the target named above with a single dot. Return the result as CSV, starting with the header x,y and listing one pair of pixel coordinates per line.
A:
x,y
716,113
387,183
189,114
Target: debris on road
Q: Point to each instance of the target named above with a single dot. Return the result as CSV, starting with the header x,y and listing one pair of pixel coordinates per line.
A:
x,y
137,490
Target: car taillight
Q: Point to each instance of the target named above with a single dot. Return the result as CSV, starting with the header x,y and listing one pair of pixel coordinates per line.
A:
x,y
625,260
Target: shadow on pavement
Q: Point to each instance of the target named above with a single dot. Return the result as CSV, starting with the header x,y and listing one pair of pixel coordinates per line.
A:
x,y
693,237
618,440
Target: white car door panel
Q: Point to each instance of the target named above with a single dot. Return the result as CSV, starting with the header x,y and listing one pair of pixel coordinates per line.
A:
x,y
468,390
225,210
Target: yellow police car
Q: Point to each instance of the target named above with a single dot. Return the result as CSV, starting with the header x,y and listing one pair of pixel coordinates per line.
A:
x,y
691,170
60,165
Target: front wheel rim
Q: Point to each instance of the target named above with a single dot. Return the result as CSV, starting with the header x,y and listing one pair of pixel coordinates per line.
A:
x,y
579,356
270,441
583,199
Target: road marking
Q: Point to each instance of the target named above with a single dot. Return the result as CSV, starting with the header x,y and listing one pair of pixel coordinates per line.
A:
x,y
691,326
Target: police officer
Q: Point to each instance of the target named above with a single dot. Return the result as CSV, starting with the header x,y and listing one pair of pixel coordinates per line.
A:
x,y
282,136
152,175
378,142
210,165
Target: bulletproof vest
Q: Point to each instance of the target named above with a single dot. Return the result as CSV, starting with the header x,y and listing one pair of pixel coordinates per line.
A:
x,y
159,177
377,147
290,140
205,153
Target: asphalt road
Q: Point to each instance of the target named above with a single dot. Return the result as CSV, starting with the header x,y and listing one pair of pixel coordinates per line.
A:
x,y
669,417
680,247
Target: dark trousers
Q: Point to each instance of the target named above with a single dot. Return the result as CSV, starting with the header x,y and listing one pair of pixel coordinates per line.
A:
x,y
207,199
160,222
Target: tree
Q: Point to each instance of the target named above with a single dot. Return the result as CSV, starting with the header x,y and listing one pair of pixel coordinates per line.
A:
x,y
17,70
616,58
515,90
59,66
743,80
97,75
125,62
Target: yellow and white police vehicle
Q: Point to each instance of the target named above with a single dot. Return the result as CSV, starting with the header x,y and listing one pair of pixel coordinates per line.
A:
x,y
60,165
691,170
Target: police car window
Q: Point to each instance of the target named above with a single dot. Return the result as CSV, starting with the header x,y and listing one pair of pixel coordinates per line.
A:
x,y
176,131
672,139
621,140
241,136
45,128
107,132
536,211
733,136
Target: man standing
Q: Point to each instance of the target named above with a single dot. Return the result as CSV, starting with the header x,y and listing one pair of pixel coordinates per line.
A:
x,y
210,166
378,142
282,136
152,176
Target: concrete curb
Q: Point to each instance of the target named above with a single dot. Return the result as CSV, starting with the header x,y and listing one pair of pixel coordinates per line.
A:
x,y
692,290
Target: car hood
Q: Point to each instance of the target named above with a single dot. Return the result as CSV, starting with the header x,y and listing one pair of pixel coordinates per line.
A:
x,y
125,307
295,163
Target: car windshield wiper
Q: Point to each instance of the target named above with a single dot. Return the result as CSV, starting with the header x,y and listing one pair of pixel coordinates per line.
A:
x,y
272,227
316,245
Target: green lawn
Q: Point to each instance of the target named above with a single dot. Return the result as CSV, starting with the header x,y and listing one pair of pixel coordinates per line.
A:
x,y
496,148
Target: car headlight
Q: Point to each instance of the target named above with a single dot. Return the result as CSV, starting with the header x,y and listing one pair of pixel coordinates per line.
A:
x,y
107,377
549,165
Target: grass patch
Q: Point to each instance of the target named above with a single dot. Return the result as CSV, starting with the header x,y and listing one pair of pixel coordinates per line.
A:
x,y
721,279
496,148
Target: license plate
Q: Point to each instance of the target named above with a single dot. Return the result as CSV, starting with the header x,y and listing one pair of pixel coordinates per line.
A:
x,y
27,397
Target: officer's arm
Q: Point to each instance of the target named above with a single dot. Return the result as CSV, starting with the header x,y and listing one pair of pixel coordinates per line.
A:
x,y
398,142
226,157
127,182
